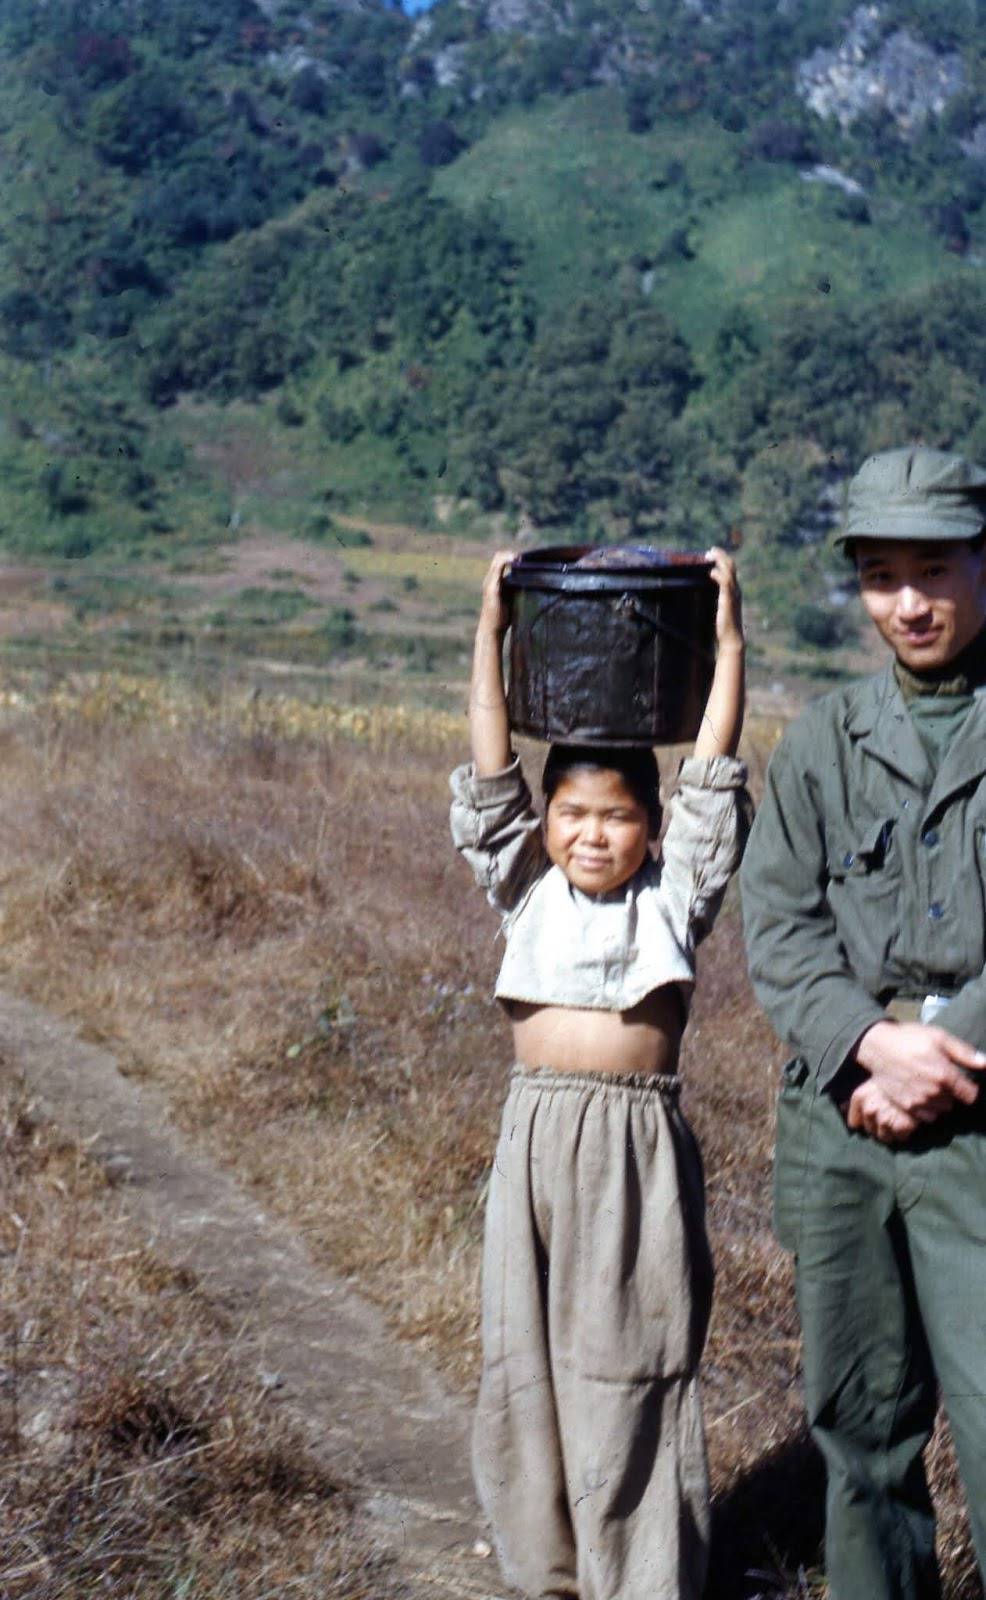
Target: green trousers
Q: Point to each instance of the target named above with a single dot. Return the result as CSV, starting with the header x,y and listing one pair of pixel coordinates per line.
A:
x,y
890,1248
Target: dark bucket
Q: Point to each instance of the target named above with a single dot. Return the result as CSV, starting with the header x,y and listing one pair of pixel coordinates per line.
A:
x,y
618,651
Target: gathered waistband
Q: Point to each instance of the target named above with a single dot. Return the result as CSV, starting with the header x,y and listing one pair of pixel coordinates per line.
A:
x,y
667,1084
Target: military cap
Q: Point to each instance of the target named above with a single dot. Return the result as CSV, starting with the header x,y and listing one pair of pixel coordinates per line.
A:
x,y
915,493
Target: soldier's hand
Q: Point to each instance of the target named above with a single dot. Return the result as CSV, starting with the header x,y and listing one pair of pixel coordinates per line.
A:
x,y
870,1111
922,1069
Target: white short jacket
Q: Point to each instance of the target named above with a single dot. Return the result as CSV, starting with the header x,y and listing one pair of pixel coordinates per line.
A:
x,y
607,951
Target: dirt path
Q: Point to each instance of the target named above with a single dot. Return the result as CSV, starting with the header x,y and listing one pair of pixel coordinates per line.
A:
x,y
369,1407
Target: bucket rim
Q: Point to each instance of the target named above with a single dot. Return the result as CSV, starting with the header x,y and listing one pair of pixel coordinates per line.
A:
x,y
652,557
555,567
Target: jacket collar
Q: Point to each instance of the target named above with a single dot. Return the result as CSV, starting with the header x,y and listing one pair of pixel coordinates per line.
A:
x,y
965,759
877,716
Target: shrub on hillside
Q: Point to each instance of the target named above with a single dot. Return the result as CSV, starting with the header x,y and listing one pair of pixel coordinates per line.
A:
x,y
363,151
439,144
101,59
774,140
339,423
813,625
32,328
854,208
639,105
119,264
203,201
309,91
143,120
64,492
951,225
321,528
339,630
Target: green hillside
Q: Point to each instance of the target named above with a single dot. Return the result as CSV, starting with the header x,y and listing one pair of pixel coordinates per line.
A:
x,y
589,201
618,274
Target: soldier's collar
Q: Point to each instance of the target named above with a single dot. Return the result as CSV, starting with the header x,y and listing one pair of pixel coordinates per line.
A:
x,y
866,702
962,676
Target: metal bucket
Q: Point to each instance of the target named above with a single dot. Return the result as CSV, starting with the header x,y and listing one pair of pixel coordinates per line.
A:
x,y
619,652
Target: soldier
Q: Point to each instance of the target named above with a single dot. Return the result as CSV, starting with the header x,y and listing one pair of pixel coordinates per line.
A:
x,y
864,892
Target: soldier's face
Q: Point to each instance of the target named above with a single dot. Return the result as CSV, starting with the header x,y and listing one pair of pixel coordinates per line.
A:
x,y
928,601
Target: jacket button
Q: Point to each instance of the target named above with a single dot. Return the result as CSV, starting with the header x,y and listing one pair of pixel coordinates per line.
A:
x,y
930,838
936,911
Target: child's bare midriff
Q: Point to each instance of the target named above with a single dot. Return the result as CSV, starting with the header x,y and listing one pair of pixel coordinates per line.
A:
x,y
566,1039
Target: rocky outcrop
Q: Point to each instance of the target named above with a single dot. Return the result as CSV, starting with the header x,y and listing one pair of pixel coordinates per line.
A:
x,y
870,70
290,63
821,173
521,16
449,65
620,51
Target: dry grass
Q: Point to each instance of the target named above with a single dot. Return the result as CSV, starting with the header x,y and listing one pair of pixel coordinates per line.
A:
x,y
432,568
269,921
135,1461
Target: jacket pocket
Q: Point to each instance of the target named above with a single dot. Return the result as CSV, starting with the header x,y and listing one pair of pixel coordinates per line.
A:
x,y
792,1150
863,854
864,890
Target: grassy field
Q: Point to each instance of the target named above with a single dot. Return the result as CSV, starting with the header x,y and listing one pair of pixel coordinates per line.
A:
x,y
355,606
271,583
257,908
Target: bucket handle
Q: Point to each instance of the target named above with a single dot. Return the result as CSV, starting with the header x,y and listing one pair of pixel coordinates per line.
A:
x,y
629,603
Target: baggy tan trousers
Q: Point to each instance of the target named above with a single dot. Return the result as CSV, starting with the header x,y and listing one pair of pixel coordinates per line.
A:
x,y
597,1283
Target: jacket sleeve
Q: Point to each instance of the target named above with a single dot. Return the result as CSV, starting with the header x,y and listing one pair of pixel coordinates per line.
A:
x,y
797,963
710,819
497,830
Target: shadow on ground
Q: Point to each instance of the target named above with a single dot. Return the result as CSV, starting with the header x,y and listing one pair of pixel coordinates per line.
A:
x,y
768,1525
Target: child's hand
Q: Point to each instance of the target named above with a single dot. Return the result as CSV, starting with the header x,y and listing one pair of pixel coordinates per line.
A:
x,y
493,614
729,612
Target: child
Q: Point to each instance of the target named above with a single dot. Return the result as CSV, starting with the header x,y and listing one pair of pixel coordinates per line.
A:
x,y
588,1447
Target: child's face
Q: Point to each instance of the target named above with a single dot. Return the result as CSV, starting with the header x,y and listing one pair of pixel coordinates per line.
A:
x,y
595,830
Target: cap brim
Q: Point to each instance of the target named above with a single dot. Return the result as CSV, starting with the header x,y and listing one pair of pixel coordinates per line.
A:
x,y
937,524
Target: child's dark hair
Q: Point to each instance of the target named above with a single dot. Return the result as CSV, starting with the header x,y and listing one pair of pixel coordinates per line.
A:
x,y
636,767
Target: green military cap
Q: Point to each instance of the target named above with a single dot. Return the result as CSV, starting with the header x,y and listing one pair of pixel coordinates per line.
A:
x,y
915,493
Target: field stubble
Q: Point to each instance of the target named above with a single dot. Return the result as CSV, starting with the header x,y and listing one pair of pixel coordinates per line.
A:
x,y
267,919
136,1461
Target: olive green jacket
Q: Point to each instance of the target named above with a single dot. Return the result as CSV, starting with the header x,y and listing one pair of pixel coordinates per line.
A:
x,y
865,874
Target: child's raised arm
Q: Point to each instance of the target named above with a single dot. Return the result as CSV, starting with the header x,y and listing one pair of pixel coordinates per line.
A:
x,y
722,722
489,729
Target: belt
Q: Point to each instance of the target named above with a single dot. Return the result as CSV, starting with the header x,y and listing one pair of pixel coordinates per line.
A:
x,y
916,1008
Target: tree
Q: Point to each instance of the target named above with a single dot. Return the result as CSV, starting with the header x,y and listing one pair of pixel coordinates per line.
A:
x,y
141,121
638,101
309,91
780,492
815,626
439,144
950,222
774,140
648,354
